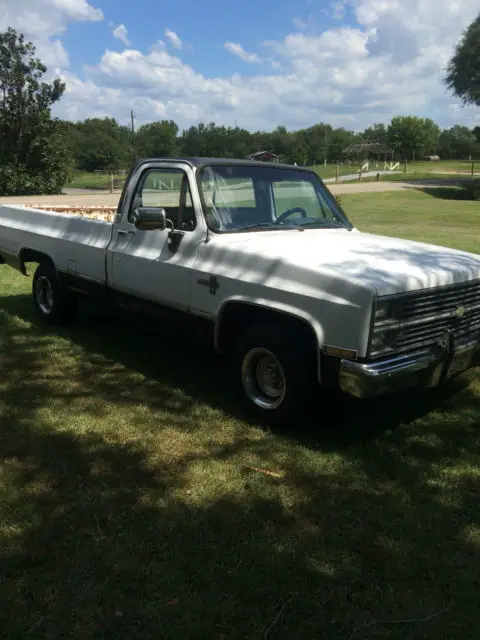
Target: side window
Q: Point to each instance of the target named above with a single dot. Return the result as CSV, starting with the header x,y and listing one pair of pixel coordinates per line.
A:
x,y
229,202
169,189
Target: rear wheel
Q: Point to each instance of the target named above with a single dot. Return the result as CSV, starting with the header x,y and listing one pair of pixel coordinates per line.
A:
x,y
53,305
276,374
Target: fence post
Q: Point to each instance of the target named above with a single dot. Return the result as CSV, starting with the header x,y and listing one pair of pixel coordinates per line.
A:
x,y
405,167
473,168
111,183
337,172
360,175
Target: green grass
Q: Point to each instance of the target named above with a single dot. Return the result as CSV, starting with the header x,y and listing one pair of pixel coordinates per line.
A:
x,y
460,166
407,177
419,170
131,505
85,180
330,170
430,214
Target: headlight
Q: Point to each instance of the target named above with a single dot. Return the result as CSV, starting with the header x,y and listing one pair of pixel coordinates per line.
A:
x,y
381,311
385,327
380,342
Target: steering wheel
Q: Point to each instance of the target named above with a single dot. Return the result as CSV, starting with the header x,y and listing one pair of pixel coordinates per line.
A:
x,y
289,212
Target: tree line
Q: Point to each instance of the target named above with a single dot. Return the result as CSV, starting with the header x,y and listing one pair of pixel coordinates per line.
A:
x,y
38,152
101,144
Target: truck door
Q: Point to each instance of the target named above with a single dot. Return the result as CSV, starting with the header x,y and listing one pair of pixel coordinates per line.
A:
x,y
144,263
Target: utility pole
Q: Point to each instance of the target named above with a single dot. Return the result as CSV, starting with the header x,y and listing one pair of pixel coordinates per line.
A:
x,y
132,118
325,148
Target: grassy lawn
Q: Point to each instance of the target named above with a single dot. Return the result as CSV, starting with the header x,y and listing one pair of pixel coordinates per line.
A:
x,y
409,176
428,215
135,500
85,180
460,166
329,170
415,170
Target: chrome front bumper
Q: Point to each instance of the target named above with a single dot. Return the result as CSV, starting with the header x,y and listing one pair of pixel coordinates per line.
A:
x,y
426,368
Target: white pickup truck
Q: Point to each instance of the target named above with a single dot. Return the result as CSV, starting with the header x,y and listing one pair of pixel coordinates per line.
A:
x,y
263,255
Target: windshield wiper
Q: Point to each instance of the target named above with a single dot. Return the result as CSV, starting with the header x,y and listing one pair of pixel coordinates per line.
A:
x,y
266,226
329,224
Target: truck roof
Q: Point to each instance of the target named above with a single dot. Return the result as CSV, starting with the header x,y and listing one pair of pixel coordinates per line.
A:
x,y
199,161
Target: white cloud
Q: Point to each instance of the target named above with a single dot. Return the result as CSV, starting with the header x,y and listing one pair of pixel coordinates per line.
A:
x,y
121,34
42,21
76,9
173,38
239,51
391,63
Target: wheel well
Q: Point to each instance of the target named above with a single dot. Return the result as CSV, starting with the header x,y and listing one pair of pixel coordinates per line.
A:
x,y
31,255
239,316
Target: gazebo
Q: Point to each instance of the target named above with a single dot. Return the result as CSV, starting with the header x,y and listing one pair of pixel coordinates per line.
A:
x,y
366,150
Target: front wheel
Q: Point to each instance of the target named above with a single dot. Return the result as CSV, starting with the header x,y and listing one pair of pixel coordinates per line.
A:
x,y
276,375
53,305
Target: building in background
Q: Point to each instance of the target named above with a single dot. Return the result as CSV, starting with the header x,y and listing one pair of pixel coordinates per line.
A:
x,y
263,156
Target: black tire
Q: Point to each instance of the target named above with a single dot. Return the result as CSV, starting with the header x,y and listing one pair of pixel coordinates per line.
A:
x,y
297,362
54,306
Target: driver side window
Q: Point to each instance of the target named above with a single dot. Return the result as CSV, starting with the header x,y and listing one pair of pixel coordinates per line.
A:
x,y
169,189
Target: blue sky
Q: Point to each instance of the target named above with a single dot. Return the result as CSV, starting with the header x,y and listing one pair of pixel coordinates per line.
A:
x,y
259,63
203,27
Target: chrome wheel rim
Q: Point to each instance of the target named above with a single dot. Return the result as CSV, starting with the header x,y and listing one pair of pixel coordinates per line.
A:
x,y
263,378
44,295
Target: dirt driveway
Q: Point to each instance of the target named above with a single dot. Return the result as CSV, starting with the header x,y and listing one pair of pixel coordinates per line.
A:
x,y
104,198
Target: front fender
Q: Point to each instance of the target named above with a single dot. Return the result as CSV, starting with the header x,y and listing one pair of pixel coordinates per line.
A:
x,y
274,306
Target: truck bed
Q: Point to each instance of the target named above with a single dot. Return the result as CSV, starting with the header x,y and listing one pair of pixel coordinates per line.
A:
x,y
75,238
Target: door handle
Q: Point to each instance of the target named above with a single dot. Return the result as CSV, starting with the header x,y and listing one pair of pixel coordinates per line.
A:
x,y
124,232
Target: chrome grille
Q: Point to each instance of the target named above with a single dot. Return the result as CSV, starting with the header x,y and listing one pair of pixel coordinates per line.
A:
x,y
441,301
420,335
419,320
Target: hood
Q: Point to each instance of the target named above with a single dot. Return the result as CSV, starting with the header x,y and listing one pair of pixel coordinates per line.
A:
x,y
383,264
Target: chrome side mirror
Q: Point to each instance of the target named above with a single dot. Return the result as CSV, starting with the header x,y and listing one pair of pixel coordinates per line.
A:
x,y
150,218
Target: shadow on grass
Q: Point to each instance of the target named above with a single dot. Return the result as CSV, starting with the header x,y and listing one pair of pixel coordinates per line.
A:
x,y
187,363
453,192
102,538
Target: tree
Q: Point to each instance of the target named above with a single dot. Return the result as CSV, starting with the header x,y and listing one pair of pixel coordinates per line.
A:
x,y
101,144
377,133
282,142
34,158
198,140
412,137
338,141
458,143
157,139
463,71
311,146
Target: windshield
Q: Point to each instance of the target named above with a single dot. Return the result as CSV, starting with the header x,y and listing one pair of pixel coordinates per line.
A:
x,y
248,197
